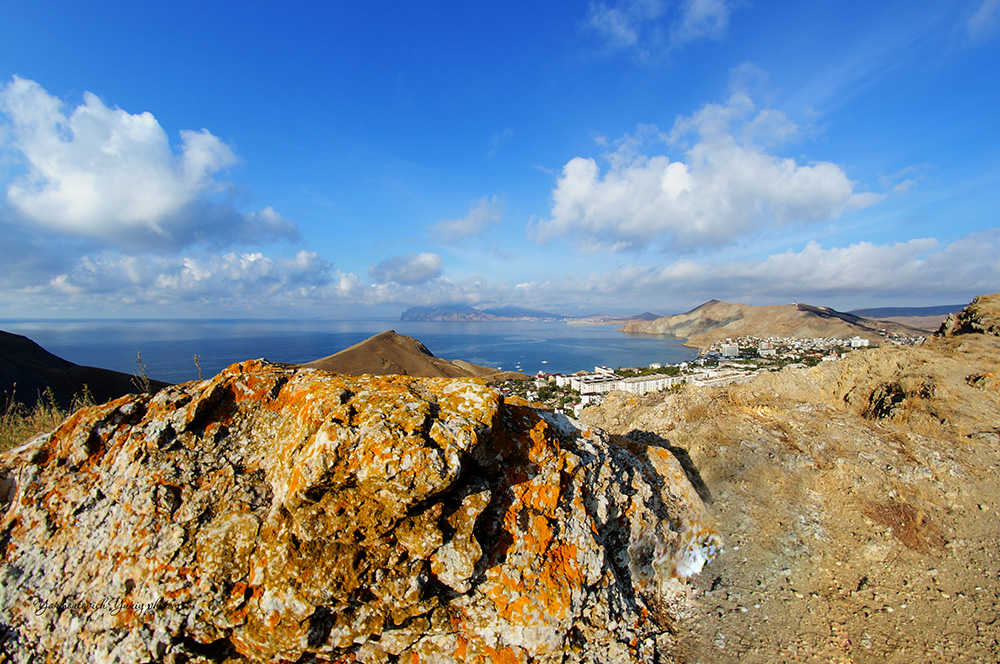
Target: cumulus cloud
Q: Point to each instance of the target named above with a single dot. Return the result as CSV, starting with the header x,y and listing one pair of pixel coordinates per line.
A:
x,y
647,27
407,269
109,175
196,284
847,276
727,186
859,274
619,25
181,278
701,19
486,212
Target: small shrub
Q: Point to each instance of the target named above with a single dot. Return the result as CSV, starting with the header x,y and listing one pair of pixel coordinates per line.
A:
x,y
140,379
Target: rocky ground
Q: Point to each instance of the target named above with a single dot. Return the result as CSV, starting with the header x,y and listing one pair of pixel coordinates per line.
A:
x,y
859,501
275,514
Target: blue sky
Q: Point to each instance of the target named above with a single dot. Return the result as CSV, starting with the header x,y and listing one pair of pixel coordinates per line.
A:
x,y
354,159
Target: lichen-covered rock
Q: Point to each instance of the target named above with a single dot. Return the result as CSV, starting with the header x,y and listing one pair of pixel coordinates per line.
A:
x,y
275,514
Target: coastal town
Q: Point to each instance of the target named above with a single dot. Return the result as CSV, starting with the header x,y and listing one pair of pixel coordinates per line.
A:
x,y
722,363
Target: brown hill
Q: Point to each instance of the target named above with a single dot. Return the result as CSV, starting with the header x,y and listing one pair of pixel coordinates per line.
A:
x,y
27,370
926,324
391,353
859,500
716,320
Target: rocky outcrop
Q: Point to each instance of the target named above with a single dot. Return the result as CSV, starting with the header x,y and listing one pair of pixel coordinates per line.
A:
x,y
982,316
281,514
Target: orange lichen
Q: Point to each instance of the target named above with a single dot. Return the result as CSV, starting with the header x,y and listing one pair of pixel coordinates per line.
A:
x,y
505,655
315,503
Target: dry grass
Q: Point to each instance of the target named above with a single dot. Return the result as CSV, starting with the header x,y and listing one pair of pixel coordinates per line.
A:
x,y
19,424
910,525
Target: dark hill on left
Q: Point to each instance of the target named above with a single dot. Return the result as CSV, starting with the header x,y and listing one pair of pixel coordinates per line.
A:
x,y
27,370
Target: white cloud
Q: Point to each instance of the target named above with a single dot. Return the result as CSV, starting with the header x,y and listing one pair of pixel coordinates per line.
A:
x,y
922,269
407,269
109,175
701,19
199,284
619,26
182,278
727,186
647,27
486,212
983,22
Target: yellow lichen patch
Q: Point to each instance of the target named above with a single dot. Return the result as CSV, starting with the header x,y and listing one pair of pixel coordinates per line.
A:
x,y
505,655
543,444
546,592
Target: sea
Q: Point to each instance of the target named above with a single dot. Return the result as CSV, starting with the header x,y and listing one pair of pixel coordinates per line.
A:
x,y
167,348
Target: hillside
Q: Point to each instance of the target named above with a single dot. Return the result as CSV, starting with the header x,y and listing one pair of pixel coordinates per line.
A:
x,y
715,321
859,500
28,370
391,353
928,319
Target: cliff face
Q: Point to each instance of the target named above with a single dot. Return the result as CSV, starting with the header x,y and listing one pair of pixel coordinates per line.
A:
x,y
280,514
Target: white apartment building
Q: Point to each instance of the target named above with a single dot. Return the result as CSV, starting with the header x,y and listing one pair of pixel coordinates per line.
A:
x,y
646,384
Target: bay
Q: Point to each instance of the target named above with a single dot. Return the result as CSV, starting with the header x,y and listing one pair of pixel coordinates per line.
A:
x,y
168,347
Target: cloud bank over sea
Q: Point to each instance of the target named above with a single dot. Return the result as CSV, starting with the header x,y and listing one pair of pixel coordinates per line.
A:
x,y
631,156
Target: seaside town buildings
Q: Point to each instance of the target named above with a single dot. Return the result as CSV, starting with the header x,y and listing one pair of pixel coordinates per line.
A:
x,y
723,363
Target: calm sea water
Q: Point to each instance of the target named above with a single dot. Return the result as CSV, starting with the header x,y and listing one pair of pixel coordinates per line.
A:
x,y
168,346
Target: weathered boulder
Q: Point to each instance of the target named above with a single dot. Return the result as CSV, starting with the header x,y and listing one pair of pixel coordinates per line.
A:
x,y
280,514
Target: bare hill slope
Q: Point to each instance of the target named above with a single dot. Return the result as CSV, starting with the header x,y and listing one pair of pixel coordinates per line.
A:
x,y
391,353
859,499
716,320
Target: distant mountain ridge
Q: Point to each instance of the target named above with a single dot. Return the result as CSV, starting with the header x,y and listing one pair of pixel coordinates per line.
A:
x,y
900,312
716,320
466,313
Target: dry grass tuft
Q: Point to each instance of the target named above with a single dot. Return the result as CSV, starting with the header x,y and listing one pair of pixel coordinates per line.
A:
x,y
909,525
19,424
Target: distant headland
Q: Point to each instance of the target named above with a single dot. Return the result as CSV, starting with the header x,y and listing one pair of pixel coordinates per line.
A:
x,y
466,314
